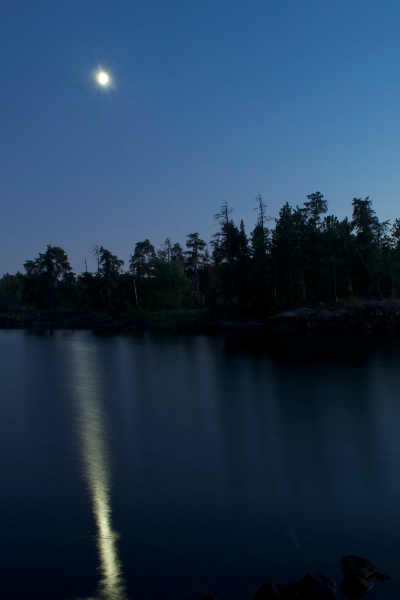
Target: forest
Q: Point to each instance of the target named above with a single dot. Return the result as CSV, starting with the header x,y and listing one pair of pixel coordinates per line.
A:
x,y
303,257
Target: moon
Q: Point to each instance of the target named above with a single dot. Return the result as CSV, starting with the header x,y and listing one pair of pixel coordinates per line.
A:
x,y
103,78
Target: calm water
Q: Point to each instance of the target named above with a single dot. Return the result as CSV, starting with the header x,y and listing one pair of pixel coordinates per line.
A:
x,y
166,466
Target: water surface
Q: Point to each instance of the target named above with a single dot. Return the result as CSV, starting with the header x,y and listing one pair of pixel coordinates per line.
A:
x,y
168,466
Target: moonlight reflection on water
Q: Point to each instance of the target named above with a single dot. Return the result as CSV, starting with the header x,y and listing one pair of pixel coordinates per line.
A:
x,y
223,461
96,465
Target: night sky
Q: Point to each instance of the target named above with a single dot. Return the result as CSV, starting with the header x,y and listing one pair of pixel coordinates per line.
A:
x,y
210,100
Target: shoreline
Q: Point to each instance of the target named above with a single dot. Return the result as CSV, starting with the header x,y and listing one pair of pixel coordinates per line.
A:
x,y
361,316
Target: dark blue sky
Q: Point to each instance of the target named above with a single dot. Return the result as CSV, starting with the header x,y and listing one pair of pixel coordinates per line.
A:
x,y
213,100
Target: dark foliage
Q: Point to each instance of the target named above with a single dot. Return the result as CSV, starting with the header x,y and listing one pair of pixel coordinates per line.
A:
x,y
307,257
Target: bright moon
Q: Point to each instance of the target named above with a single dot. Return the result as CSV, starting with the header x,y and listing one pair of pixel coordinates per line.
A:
x,y
103,78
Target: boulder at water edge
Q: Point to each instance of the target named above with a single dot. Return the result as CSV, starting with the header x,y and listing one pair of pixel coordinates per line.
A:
x,y
356,565
354,586
317,586
382,577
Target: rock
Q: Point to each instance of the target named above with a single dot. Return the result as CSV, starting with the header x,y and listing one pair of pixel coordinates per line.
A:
x,y
382,577
318,586
355,565
209,597
269,591
354,586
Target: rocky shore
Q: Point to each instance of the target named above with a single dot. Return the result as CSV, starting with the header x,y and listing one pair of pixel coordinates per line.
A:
x,y
356,583
363,316
368,316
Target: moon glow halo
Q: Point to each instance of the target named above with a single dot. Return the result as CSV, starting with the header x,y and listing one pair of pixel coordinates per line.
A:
x,y
103,78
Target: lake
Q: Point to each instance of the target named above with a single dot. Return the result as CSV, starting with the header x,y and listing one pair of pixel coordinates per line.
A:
x,y
165,466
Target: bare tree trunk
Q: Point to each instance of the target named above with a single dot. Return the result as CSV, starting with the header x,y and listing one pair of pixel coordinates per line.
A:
x,y
196,276
391,275
369,271
102,297
334,279
291,286
230,266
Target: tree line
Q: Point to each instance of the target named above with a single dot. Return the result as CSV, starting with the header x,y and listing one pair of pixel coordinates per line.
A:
x,y
301,257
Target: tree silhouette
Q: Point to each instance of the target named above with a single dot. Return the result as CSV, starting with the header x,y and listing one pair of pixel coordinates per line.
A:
x,y
305,256
47,270
194,256
141,266
224,237
109,267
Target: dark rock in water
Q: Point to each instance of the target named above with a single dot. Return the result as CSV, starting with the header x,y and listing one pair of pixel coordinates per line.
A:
x,y
354,586
314,586
382,577
269,591
209,597
318,586
355,565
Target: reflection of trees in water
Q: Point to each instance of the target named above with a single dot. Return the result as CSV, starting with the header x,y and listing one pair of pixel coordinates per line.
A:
x,y
298,428
96,463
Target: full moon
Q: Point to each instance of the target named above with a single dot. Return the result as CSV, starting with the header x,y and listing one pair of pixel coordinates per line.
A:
x,y
103,78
